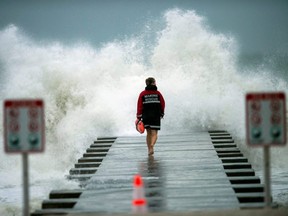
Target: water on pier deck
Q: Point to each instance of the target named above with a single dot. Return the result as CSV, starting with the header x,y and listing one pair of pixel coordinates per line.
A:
x,y
184,174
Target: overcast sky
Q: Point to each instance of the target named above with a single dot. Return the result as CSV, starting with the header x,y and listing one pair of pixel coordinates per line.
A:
x,y
258,25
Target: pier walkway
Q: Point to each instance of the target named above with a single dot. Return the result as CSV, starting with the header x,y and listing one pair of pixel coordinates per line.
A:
x,y
198,171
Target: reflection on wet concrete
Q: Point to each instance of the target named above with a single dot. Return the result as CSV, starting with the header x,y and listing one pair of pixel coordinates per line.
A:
x,y
154,180
189,177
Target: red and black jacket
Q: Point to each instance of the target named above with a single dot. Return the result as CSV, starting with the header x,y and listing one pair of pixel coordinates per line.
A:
x,y
151,103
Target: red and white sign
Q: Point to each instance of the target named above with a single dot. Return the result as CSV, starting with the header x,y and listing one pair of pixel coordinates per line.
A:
x,y
266,118
24,128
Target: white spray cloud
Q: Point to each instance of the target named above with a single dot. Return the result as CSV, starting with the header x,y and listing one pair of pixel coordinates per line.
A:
x,y
92,92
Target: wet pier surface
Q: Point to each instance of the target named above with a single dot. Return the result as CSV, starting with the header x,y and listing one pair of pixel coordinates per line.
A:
x,y
188,172
185,173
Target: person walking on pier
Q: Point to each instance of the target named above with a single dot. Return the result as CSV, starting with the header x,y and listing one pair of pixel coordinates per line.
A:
x,y
150,108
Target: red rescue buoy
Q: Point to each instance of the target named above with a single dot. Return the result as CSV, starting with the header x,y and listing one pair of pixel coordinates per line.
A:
x,y
139,126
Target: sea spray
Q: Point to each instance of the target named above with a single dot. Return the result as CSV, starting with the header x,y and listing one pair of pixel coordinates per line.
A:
x,y
92,91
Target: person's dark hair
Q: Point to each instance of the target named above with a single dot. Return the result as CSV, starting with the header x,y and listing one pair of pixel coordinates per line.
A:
x,y
150,81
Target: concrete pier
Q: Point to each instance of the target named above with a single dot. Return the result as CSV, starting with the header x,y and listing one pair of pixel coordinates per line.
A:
x,y
198,171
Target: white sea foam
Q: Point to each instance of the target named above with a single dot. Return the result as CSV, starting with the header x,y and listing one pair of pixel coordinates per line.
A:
x,y
92,92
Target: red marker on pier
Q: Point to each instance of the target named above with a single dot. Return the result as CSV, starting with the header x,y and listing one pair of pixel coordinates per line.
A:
x,y
139,203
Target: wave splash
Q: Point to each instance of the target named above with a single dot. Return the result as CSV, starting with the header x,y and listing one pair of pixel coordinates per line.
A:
x,y
92,92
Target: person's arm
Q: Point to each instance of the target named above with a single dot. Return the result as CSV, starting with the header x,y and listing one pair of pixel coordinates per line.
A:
x,y
139,107
162,104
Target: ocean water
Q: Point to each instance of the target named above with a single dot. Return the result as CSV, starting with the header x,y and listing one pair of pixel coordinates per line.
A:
x,y
92,91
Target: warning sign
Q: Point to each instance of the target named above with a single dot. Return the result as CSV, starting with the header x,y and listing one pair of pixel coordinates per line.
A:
x,y
266,119
24,125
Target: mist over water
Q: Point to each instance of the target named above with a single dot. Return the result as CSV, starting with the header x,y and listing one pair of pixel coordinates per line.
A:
x,y
91,92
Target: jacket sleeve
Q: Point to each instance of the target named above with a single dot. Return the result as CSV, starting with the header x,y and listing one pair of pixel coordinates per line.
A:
x,y
139,107
162,104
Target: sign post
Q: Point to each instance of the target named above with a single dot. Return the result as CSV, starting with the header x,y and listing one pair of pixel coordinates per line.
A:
x,y
267,176
24,133
266,127
25,183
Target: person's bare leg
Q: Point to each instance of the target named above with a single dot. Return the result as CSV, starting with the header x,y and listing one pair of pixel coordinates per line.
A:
x,y
149,141
154,137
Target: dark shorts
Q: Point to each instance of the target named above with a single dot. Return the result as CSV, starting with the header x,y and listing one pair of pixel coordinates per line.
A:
x,y
152,123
